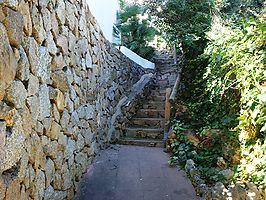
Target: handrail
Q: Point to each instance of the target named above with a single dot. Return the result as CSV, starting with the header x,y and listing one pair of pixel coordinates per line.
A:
x,y
174,91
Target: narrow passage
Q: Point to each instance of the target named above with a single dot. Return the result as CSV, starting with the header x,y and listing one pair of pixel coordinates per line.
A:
x,y
124,172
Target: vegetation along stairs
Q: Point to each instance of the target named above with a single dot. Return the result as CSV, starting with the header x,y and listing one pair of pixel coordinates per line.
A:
x,y
146,127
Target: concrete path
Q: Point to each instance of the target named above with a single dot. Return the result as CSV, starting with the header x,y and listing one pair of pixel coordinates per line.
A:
x,y
134,173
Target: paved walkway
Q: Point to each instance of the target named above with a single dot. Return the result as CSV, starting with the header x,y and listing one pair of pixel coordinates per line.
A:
x,y
134,173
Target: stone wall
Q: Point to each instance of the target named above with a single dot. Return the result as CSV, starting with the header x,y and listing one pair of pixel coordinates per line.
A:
x,y
60,85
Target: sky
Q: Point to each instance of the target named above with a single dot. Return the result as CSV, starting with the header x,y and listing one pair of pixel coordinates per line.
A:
x,y
105,13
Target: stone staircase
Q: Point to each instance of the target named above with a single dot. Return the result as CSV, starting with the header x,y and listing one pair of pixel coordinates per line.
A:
x,y
146,128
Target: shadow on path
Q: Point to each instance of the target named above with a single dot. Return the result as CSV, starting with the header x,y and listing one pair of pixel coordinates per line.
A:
x,y
134,173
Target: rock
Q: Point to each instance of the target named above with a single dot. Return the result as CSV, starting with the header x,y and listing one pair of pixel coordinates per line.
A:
x,y
67,180
2,134
58,62
227,174
74,118
55,131
27,122
45,105
49,172
51,149
62,142
51,47
90,112
221,162
252,192
238,191
60,100
37,28
43,69
71,147
39,184
219,192
16,94
13,190
65,119
32,50
23,68
33,104
55,26
56,114
81,159
7,114
60,81
46,16
80,143
62,43
23,8
2,189
33,85
189,165
14,26
59,160
49,193
61,12
8,65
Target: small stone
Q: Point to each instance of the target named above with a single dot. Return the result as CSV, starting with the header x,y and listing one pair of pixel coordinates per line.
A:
x,y
221,162
31,48
61,12
8,65
33,85
80,143
227,174
39,184
238,191
13,190
2,134
23,8
65,119
58,62
60,100
67,180
51,47
46,15
49,172
14,26
60,81
70,149
2,189
49,193
51,149
33,104
45,105
16,94
37,28
56,114
43,69
252,193
23,70
62,43
81,159
55,130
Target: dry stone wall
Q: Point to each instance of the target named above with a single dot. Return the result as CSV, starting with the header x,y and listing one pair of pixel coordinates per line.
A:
x,y
60,84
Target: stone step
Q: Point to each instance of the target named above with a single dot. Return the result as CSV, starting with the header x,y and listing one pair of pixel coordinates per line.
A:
x,y
150,113
141,142
154,105
147,122
158,92
140,132
156,98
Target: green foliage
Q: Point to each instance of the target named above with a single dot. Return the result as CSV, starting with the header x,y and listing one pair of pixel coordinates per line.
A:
x,y
136,29
183,21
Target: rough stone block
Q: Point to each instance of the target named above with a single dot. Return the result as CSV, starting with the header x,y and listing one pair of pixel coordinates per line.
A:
x,y
8,65
16,94
14,26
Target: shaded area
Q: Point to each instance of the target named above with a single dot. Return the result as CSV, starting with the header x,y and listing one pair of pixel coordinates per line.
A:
x,y
134,173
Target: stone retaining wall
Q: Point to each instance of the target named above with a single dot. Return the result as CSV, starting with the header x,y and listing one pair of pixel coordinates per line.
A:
x,y
60,83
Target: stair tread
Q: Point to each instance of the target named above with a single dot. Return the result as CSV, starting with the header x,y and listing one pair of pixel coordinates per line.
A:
x,y
147,118
141,139
144,128
150,109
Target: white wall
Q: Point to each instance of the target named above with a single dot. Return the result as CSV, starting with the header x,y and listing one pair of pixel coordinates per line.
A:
x,y
105,13
136,58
